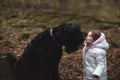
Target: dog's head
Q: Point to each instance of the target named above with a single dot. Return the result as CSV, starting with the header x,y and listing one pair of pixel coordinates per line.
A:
x,y
68,35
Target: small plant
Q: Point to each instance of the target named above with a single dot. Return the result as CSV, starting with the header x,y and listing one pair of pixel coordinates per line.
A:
x,y
24,36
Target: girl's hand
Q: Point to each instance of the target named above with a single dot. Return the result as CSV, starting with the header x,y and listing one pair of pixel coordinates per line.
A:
x,y
87,44
95,77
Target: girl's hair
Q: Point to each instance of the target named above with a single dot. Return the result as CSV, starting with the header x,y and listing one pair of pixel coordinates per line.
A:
x,y
95,34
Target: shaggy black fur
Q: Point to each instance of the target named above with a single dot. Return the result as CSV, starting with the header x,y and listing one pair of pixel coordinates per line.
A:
x,y
41,57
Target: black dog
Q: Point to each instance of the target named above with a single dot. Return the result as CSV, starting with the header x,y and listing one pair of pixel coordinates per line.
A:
x,y
41,57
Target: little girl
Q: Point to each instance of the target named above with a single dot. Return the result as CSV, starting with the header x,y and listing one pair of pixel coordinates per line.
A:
x,y
94,56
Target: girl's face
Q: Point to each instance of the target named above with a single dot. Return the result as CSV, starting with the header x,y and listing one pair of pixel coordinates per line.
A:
x,y
89,38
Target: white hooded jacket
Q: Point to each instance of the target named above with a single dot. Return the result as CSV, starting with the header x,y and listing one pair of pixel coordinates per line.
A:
x,y
94,59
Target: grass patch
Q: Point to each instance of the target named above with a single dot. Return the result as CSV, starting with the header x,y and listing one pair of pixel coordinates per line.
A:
x,y
102,27
19,26
8,44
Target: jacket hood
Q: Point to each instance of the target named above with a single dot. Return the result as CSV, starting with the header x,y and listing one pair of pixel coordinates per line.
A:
x,y
101,42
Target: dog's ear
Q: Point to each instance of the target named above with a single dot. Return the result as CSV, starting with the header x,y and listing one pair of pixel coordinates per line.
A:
x,y
59,30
